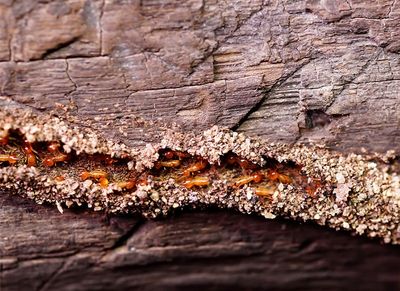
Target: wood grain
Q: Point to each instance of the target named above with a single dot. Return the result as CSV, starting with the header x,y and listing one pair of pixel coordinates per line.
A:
x,y
324,72
212,249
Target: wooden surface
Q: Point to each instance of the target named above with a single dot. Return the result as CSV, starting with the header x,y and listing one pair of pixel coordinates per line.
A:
x,y
44,250
293,71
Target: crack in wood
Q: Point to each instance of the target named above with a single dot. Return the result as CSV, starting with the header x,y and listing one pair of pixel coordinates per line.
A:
x,y
267,92
123,239
347,84
60,46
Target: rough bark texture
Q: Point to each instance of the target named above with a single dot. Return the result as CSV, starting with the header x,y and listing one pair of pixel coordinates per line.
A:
x,y
291,71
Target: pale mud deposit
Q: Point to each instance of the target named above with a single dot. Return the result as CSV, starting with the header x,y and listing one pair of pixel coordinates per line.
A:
x,y
357,193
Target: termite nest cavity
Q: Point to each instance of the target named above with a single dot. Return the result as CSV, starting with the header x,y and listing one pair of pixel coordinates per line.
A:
x,y
189,171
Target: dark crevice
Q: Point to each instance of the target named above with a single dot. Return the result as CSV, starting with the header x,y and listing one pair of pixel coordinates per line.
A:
x,y
267,93
59,47
122,240
319,118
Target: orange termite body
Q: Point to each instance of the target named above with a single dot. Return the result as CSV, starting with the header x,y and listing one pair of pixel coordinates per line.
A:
x,y
126,185
106,159
256,178
51,161
275,176
58,157
264,191
30,156
167,164
103,182
143,180
109,160
95,174
98,174
198,166
54,147
11,159
169,154
196,181
241,162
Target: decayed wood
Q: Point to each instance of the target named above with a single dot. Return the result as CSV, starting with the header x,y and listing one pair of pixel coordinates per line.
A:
x,y
291,71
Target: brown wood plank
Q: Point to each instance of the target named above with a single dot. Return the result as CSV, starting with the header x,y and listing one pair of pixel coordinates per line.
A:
x,y
324,72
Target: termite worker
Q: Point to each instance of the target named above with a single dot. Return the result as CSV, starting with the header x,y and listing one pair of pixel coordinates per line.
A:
x,y
275,176
30,155
243,163
169,154
265,191
126,184
106,159
256,178
58,157
196,181
167,164
11,159
54,147
98,174
51,161
201,164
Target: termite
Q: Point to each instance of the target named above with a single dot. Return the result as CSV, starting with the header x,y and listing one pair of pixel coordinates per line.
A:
x,y
275,176
103,182
106,159
265,191
201,164
51,161
256,178
95,174
241,162
11,159
30,155
126,185
169,154
196,181
54,147
109,160
98,174
58,157
167,164
181,155
143,180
